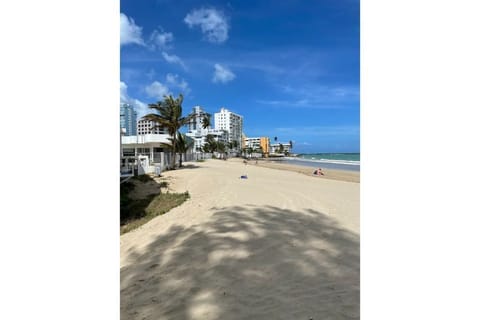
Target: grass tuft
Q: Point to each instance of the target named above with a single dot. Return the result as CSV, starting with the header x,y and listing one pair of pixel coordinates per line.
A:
x,y
136,212
143,178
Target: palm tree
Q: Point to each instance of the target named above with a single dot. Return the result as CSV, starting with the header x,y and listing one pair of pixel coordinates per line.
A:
x,y
244,152
183,144
235,145
206,120
229,146
170,117
250,151
221,148
210,144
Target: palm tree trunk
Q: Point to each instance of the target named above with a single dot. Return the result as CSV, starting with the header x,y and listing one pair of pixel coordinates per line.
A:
x,y
174,144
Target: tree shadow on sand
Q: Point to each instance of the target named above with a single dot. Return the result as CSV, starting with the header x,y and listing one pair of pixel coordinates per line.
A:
x,y
189,166
247,262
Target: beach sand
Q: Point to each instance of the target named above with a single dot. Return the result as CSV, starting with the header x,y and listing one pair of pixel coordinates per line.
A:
x,y
278,245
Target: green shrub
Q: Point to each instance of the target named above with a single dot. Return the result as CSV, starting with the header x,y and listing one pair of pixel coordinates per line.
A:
x,y
136,212
143,178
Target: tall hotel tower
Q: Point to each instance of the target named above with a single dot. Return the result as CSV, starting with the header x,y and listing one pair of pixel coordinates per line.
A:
x,y
230,122
128,119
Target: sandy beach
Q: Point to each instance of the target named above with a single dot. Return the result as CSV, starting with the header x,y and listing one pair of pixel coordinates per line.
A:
x,y
282,244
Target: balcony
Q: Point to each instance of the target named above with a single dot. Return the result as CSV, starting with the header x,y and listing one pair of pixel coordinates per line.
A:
x,y
147,138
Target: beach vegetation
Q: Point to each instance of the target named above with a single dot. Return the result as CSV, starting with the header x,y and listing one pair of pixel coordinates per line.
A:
x,y
221,149
183,144
244,152
170,116
143,178
206,122
250,151
138,210
211,145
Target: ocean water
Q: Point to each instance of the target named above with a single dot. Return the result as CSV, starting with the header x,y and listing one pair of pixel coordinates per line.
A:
x,y
338,161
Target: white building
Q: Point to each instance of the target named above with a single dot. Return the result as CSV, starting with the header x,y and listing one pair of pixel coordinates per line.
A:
x,y
218,135
230,122
198,133
196,125
146,153
196,130
200,138
275,148
149,127
253,143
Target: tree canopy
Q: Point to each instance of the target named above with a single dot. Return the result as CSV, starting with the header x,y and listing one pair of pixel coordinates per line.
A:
x,y
170,117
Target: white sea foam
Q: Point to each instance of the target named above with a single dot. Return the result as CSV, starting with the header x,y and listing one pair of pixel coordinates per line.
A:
x,y
347,162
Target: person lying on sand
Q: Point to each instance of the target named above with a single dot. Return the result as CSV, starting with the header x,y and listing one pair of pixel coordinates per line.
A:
x,y
318,172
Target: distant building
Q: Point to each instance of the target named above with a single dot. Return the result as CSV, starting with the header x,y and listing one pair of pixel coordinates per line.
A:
x,y
258,143
149,127
232,123
128,119
196,125
219,135
196,130
277,147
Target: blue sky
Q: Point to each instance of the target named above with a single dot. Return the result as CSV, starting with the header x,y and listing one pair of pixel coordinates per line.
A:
x,y
290,68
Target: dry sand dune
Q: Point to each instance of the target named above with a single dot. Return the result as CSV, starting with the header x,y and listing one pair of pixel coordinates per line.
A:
x,y
278,245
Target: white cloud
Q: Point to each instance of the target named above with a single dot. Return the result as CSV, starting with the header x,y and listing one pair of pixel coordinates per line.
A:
x,y
139,106
123,92
173,80
315,97
213,24
129,31
162,39
222,74
171,58
157,90
150,74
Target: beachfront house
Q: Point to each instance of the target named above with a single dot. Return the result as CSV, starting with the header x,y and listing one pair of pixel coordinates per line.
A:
x,y
143,153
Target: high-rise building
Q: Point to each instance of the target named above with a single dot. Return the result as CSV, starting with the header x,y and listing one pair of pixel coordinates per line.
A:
x,y
232,123
128,119
198,133
196,125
